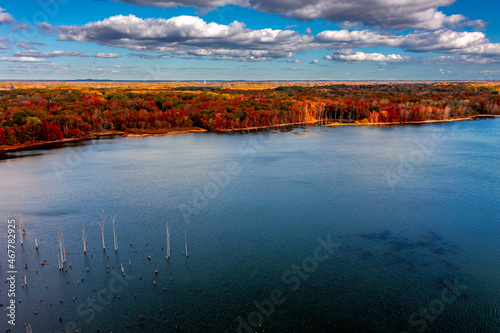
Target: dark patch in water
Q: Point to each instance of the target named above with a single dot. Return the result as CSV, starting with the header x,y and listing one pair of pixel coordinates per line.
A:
x,y
438,280
366,255
57,212
380,235
437,251
447,265
431,236
401,252
454,249
443,283
400,262
421,244
346,248
396,245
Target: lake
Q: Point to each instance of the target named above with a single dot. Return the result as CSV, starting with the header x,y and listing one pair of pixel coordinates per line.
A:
x,y
348,229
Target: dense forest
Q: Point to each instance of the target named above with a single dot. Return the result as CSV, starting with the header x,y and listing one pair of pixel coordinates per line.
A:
x,y
30,115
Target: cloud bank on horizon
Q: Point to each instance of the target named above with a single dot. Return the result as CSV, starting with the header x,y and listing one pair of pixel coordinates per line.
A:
x,y
404,35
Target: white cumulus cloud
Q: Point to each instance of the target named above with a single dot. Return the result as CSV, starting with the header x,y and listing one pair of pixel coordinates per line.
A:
x,y
186,35
107,55
193,38
390,14
22,59
6,17
349,55
53,54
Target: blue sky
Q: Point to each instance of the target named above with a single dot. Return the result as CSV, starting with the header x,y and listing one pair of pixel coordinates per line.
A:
x,y
250,39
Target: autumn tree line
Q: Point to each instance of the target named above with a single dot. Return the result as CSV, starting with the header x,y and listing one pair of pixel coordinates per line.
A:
x,y
30,115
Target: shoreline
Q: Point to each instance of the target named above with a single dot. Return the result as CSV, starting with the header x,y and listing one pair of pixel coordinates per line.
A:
x,y
357,123
254,129
96,136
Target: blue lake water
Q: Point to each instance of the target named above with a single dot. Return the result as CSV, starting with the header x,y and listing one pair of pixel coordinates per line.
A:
x,y
348,229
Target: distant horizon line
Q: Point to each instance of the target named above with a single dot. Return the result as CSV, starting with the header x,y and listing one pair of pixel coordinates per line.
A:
x,y
278,80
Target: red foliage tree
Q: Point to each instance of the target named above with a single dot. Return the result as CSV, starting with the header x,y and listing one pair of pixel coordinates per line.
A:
x,y
3,137
51,131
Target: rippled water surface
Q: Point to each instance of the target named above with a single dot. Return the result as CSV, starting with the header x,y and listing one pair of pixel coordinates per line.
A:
x,y
314,230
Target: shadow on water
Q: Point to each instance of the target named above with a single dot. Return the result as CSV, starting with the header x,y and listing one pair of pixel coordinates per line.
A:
x,y
41,149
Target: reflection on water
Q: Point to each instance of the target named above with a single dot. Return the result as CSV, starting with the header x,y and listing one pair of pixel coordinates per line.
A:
x,y
43,148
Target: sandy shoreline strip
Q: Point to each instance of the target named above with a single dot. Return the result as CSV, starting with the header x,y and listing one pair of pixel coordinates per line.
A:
x,y
95,136
414,122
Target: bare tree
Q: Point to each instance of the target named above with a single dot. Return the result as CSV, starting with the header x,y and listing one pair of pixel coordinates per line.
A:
x,y
185,242
168,242
84,238
101,224
113,218
61,256
59,259
20,226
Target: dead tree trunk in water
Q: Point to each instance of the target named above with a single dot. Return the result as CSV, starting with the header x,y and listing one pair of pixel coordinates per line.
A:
x,y
20,226
103,221
168,242
84,239
114,233
185,242
62,250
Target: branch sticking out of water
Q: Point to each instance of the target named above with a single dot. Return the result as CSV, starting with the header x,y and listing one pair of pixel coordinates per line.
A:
x,y
113,218
61,256
84,239
168,242
20,226
185,242
101,224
